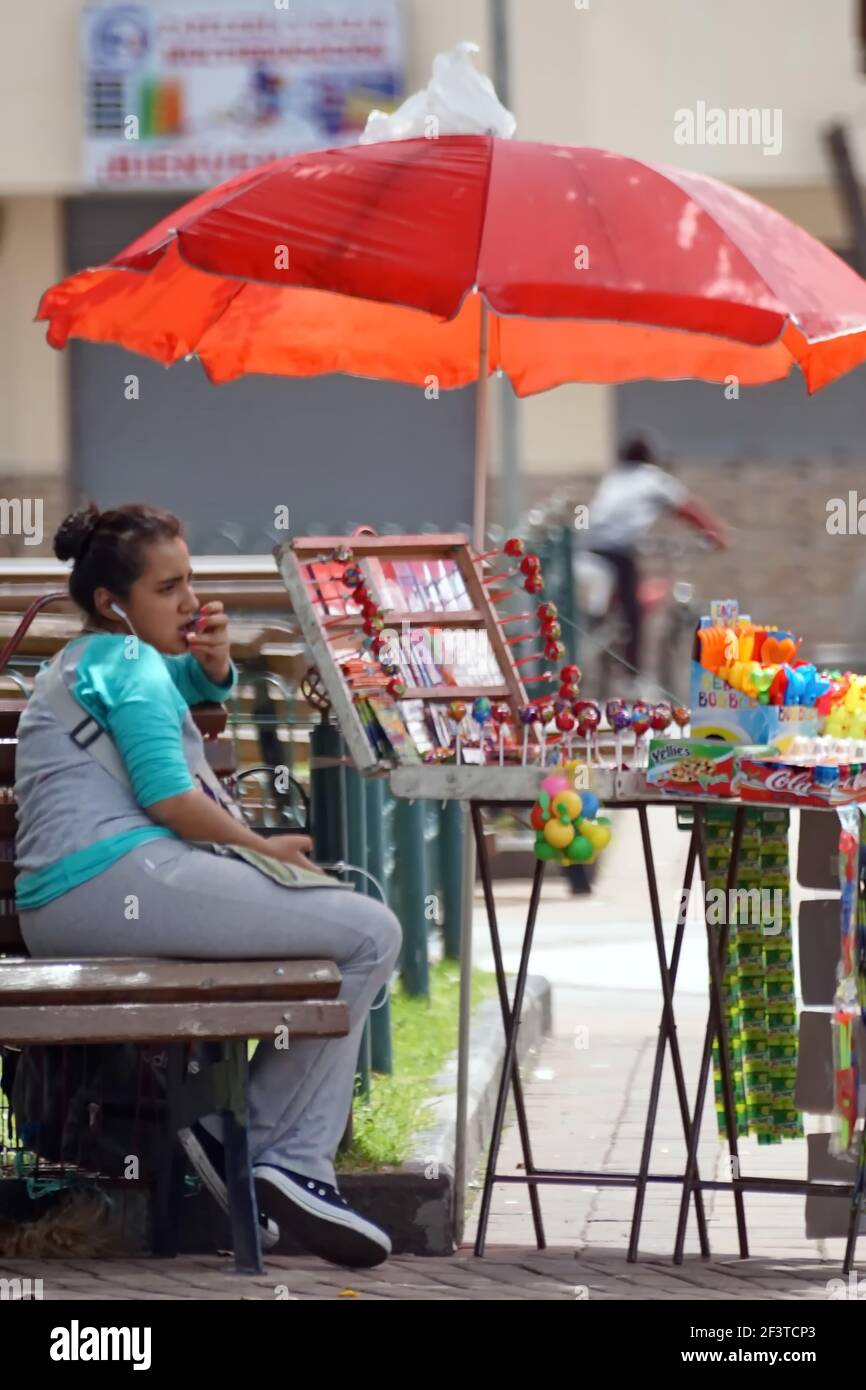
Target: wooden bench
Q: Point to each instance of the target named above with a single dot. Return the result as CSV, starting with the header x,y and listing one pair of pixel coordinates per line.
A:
x,y
203,1012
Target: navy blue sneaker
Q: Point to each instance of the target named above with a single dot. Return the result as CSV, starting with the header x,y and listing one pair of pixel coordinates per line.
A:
x,y
319,1218
207,1156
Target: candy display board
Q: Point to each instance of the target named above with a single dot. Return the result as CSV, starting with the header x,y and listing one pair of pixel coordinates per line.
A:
x,y
410,649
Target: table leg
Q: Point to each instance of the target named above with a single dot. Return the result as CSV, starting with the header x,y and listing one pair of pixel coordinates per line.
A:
x,y
667,1034
507,1018
511,1024
717,951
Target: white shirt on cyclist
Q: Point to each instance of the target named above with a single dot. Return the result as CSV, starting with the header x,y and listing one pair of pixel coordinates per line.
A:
x,y
628,501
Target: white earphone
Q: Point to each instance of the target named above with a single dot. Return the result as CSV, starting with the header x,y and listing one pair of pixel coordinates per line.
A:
x,y
116,608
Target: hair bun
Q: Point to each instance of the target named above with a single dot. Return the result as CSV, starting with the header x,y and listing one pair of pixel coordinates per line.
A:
x,y
73,535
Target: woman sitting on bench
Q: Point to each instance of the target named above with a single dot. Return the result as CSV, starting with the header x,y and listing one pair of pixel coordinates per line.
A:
x,y
89,845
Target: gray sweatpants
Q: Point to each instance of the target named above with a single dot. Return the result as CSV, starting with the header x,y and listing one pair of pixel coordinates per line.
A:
x,y
200,906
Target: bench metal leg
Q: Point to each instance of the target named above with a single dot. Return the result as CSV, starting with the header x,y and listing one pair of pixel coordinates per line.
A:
x,y
243,1208
169,1185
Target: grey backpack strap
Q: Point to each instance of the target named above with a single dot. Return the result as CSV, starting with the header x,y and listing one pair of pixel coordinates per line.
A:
x,y
82,727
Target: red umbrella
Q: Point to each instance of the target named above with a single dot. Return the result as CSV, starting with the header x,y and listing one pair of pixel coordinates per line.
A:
x,y
451,258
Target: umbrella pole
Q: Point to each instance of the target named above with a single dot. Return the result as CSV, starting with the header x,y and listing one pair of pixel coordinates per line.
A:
x,y
482,431
482,403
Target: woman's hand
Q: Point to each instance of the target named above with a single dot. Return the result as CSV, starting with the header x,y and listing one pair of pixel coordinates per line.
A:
x,y
291,849
209,642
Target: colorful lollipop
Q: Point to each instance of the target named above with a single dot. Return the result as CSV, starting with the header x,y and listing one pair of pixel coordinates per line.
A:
x,y
640,723
457,713
660,718
501,715
514,546
482,711
620,720
682,717
528,718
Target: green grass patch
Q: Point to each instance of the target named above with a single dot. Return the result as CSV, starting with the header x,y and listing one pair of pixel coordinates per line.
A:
x,y
424,1034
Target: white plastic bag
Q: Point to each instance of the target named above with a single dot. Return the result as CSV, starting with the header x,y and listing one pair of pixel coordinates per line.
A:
x,y
458,100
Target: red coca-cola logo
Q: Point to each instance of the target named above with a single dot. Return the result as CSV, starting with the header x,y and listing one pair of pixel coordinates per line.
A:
x,y
793,781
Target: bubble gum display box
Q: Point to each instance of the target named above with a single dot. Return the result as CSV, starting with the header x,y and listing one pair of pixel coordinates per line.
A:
x,y
720,711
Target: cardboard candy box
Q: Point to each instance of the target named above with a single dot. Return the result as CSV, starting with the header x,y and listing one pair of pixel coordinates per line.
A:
x,y
764,777
691,767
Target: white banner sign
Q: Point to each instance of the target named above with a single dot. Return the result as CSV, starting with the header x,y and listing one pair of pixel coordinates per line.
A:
x,y
185,93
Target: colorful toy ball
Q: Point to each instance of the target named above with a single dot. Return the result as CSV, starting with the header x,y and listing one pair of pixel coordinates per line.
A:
x,y
457,711
500,714
590,805
555,783
547,610
514,546
558,833
481,709
566,824
533,583
660,718
529,714
530,564
567,804
570,675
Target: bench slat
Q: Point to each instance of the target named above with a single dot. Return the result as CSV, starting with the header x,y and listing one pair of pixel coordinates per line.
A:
x,y
96,1023
128,980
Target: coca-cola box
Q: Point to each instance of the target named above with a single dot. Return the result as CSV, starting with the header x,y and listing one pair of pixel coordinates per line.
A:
x,y
720,711
760,778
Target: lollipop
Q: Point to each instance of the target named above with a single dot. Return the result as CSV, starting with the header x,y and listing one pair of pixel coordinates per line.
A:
x,y
569,690
570,674
528,718
550,628
588,716
352,577
620,720
530,564
660,718
640,723
481,712
682,717
554,650
457,713
343,554
533,583
546,714
565,724
501,714
396,687
514,546
547,611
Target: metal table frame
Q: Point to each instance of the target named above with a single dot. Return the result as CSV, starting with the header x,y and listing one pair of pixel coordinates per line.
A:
x,y
693,1186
